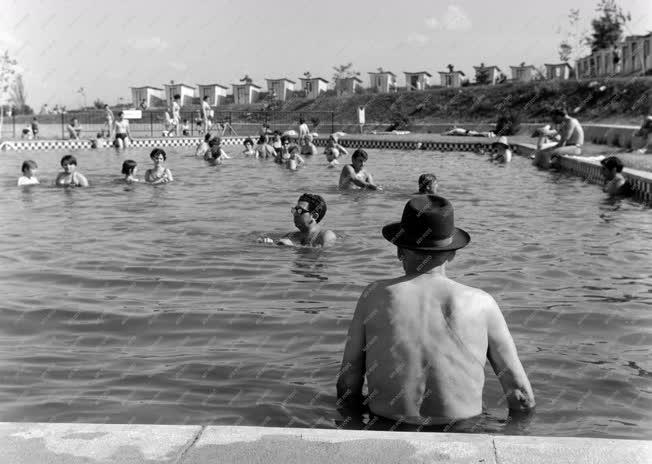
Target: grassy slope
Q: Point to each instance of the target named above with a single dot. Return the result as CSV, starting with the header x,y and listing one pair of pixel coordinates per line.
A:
x,y
623,101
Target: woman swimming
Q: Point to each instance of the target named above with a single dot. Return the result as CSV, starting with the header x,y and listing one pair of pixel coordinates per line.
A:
x,y
159,174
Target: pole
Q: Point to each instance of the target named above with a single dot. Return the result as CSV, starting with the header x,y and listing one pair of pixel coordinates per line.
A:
x,y
332,122
13,123
151,124
63,134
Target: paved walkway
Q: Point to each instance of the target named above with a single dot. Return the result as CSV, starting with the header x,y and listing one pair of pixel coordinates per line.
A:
x,y
28,443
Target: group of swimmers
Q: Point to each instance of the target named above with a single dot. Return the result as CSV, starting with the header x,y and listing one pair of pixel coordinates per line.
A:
x,y
71,177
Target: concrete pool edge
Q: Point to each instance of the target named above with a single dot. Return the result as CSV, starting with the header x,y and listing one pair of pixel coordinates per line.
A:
x,y
27,443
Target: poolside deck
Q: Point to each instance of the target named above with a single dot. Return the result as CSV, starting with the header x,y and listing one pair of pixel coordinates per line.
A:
x,y
38,443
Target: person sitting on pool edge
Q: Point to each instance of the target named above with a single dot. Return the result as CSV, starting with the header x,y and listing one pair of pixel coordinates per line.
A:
x,y
615,182
571,139
307,214
70,177
159,174
422,340
427,184
353,175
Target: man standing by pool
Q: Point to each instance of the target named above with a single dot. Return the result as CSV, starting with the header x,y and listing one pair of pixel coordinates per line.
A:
x,y
205,114
176,113
570,142
422,339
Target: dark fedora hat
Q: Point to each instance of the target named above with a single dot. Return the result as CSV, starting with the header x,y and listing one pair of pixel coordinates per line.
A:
x,y
427,224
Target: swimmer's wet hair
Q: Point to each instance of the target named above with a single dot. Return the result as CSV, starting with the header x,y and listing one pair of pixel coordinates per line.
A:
x,y
612,162
426,183
558,112
177,96
207,137
285,138
215,141
294,149
128,167
263,139
158,151
69,159
29,164
360,153
316,205
248,140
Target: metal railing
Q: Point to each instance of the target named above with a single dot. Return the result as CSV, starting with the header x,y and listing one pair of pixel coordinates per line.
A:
x,y
153,123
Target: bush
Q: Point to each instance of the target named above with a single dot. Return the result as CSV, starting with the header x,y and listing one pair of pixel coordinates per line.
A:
x,y
508,123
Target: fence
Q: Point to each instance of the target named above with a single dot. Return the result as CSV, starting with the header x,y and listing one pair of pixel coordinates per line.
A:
x,y
153,123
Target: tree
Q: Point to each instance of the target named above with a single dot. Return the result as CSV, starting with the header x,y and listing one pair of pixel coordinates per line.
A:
x,y
19,97
574,42
608,27
246,79
450,68
98,104
343,71
9,72
482,75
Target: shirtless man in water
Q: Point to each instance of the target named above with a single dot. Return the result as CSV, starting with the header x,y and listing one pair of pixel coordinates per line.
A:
x,y
422,339
353,175
308,213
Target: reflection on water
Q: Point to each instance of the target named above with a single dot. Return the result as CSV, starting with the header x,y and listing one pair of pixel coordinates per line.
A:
x,y
134,303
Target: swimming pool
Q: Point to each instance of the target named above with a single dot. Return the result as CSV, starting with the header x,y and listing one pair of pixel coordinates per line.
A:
x,y
156,305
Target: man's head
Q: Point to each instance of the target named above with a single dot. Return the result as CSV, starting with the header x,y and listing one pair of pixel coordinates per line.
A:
x,y
248,143
177,97
206,98
358,159
301,120
215,142
427,183
309,208
285,140
557,115
426,236
207,137
611,166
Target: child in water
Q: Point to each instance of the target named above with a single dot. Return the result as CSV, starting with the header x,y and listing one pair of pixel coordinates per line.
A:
x,y
70,177
334,150
129,168
294,160
203,147
216,155
249,147
159,174
29,173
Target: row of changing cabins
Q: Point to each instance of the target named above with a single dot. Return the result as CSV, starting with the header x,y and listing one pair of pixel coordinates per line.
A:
x,y
630,57
381,81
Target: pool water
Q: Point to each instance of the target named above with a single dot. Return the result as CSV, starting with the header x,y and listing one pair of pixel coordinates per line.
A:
x,y
155,304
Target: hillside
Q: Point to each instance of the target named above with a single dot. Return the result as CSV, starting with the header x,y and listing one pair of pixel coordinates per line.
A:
x,y
619,100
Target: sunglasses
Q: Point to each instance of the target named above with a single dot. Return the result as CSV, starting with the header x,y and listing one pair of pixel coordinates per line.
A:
x,y
298,210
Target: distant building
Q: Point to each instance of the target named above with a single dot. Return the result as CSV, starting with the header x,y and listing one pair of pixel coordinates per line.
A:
x,y
153,96
245,94
523,72
492,72
417,80
187,93
451,78
635,53
558,71
347,85
280,87
600,63
313,86
216,93
383,81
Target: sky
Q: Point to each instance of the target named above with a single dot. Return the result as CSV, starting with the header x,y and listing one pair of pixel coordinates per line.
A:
x,y
107,47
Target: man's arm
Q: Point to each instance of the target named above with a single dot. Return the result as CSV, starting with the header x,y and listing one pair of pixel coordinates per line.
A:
x,y
328,239
504,360
566,130
351,376
349,174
